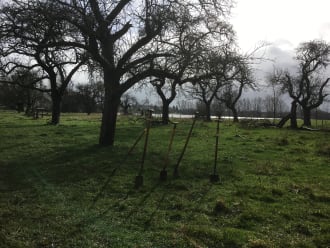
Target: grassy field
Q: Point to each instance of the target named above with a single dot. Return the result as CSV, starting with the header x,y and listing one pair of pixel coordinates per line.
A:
x,y
58,188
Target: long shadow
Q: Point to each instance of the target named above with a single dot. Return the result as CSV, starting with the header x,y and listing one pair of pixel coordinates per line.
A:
x,y
99,194
53,168
112,174
153,214
141,203
14,126
90,219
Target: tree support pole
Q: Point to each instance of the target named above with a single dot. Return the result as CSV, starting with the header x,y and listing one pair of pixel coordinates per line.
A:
x,y
215,177
139,177
137,141
176,168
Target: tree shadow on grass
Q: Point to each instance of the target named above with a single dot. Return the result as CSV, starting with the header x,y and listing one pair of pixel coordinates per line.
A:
x,y
103,188
90,219
70,165
142,201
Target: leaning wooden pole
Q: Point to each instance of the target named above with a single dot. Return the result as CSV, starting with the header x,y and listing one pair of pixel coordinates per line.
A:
x,y
139,177
215,177
176,168
136,141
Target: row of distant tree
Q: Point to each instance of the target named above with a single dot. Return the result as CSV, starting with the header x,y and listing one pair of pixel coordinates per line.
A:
x,y
88,98
166,44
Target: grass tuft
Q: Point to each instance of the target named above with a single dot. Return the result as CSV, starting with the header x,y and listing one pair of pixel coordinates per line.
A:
x,y
324,150
220,207
283,141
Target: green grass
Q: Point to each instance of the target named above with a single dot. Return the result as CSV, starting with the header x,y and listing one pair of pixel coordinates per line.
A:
x,y
58,188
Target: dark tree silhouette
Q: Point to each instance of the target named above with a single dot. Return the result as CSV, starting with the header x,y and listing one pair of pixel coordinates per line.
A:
x,y
277,78
25,36
127,101
272,81
232,92
119,36
308,86
90,95
222,68
188,44
17,92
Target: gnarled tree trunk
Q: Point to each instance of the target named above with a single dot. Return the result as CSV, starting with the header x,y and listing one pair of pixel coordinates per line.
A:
x,y
283,120
110,110
235,114
165,112
56,107
307,117
208,111
293,115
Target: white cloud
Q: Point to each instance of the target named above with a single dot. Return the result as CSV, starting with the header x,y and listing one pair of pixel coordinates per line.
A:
x,y
324,31
272,20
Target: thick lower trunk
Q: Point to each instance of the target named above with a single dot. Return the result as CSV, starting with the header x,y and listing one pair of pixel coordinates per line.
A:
x,y
56,108
235,114
109,119
125,109
293,115
283,120
20,107
28,109
307,117
165,113
207,112
89,107
110,110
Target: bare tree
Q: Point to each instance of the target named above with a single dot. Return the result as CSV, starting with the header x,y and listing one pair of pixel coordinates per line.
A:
x,y
25,36
16,92
277,78
308,86
127,101
190,43
273,83
257,106
115,34
91,95
232,92
222,68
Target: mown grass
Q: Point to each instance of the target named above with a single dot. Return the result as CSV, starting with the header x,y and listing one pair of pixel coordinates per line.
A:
x,y
58,188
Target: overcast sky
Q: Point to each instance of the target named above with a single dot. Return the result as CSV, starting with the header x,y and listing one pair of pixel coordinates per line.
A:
x,y
282,24
285,23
